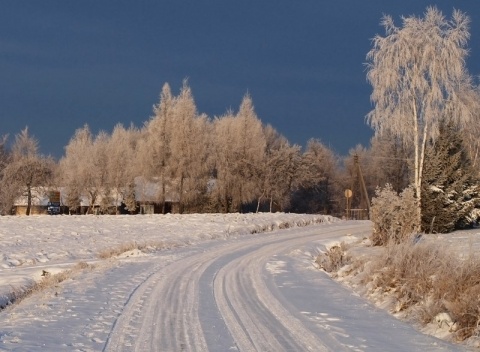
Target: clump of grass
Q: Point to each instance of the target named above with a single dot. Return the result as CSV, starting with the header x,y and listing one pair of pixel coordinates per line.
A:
x,y
333,259
48,280
129,246
426,280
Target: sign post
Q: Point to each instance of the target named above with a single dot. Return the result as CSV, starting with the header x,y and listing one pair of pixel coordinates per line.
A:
x,y
348,196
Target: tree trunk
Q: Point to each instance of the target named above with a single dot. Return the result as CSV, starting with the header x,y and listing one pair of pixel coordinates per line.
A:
x,y
417,166
29,199
259,201
180,196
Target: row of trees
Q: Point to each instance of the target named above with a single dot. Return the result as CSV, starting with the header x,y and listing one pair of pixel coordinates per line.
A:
x,y
235,163
229,163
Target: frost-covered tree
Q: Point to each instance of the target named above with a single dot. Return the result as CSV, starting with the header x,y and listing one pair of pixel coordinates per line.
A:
x,y
173,149
317,179
390,163
223,193
239,154
188,148
78,169
450,187
26,169
100,189
249,142
392,215
154,149
121,165
279,174
5,156
418,76
198,170
4,152
471,142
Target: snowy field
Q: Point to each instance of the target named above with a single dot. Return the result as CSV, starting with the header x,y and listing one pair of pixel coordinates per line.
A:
x,y
31,244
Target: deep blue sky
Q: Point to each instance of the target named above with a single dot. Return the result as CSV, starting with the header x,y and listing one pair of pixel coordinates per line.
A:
x,y
66,63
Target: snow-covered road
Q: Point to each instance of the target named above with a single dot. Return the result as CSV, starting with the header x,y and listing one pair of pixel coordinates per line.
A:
x,y
249,293
221,298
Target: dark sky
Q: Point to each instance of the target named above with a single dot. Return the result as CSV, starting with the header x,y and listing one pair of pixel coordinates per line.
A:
x,y
67,63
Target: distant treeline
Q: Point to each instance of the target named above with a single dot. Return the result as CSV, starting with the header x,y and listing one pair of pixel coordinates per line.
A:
x,y
231,163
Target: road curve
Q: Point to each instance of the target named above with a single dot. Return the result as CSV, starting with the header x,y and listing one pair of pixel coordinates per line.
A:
x,y
220,297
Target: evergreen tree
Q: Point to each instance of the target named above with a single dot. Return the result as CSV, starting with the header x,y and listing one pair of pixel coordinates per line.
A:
x,y
450,189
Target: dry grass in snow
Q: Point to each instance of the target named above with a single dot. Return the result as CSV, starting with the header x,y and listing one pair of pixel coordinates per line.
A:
x,y
47,281
424,282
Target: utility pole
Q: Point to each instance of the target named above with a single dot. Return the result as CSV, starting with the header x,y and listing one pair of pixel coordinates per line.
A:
x,y
362,184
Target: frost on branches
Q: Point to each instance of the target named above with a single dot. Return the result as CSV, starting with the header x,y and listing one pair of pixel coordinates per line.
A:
x,y
393,215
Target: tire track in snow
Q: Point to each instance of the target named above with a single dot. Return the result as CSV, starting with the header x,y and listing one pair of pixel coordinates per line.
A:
x,y
256,319
217,300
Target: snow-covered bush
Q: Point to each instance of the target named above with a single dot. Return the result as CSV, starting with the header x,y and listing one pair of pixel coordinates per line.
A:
x,y
393,215
334,258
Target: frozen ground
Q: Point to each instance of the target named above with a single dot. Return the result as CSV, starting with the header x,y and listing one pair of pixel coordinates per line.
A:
x,y
223,282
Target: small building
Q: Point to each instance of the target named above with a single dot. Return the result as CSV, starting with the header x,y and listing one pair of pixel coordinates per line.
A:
x,y
147,195
41,196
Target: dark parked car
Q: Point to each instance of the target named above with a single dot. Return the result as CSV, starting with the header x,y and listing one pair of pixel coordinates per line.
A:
x,y
53,208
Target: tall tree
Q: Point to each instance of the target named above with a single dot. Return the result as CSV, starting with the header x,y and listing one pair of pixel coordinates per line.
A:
x,y
279,172
390,162
249,142
316,180
450,188
5,157
27,168
100,190
239,153
121,165
188,147
158,144
78,170
418,76
224,192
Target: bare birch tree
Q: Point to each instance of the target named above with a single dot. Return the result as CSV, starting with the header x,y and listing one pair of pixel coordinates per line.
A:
x,y
418,75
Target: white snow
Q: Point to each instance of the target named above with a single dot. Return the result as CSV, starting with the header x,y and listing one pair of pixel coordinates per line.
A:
x,y
31,245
